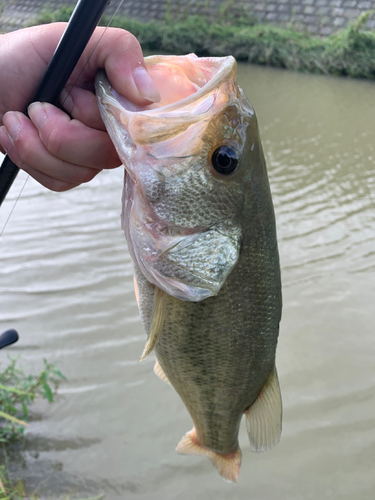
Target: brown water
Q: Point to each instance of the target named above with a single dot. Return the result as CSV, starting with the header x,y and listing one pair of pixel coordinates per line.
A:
x,y
66,286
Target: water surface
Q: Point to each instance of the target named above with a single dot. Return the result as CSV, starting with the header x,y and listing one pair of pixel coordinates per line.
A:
x,y
66,286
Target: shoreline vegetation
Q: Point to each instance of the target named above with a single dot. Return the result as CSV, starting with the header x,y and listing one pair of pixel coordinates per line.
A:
x,y
349,52
18,391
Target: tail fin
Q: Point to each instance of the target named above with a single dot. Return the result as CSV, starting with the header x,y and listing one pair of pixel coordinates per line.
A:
x,y
227,465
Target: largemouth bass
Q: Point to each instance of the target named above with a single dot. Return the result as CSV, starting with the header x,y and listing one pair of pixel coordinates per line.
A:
x,y
200,226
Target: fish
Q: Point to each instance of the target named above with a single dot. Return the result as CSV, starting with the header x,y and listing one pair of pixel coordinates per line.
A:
x,y
199,222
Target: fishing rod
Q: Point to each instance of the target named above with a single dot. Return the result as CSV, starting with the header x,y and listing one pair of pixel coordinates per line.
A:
x,y
81,25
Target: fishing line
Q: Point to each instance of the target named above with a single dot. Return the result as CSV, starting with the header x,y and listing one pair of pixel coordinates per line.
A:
x,y
62,103
14,205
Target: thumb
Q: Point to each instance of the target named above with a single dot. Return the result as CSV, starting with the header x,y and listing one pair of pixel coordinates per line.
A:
x,y
119,53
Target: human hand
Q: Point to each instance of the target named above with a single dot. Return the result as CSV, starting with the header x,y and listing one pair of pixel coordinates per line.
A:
x,y
60,152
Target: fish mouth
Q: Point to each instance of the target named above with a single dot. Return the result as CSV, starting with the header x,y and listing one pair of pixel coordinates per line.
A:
x,y
195,90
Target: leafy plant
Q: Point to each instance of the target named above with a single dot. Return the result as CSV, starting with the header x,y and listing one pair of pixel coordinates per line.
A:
x,y
17,393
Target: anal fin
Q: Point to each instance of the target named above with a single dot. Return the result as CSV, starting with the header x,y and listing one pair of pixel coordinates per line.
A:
x,y
228,465
263,417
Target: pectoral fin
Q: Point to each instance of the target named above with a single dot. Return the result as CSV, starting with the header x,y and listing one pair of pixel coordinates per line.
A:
x,y
158,317
136,291
263,417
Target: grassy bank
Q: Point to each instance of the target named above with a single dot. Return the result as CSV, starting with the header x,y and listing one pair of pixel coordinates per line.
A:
x,y
18,391
15,489
350,52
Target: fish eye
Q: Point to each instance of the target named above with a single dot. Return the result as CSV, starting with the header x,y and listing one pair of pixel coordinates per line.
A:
x,y
224,160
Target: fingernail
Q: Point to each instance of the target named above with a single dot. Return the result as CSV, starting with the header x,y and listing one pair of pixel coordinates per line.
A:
x,y
12,124
37,114
145,85
66,100
5,140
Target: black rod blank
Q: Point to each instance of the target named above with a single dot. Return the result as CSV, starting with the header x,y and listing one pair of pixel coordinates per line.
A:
x,y
82,24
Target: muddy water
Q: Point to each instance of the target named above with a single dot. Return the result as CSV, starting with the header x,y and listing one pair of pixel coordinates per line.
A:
x,y
66,285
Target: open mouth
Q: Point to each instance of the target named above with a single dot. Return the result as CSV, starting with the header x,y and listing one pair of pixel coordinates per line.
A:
x,y
191,88
178,78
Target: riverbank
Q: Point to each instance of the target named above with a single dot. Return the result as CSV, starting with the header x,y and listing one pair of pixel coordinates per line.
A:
x,y
349,52
317,17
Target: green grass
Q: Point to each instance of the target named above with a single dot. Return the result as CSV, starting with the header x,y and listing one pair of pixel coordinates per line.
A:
x,y
17,393
350,52
15,489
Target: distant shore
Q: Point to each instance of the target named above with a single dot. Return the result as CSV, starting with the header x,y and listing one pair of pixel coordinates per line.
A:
x,y
349,52
316,17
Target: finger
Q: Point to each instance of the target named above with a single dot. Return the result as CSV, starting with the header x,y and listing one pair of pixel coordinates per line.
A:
x,y
50,182
119,53
72,141
83,106
21,140
45,180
